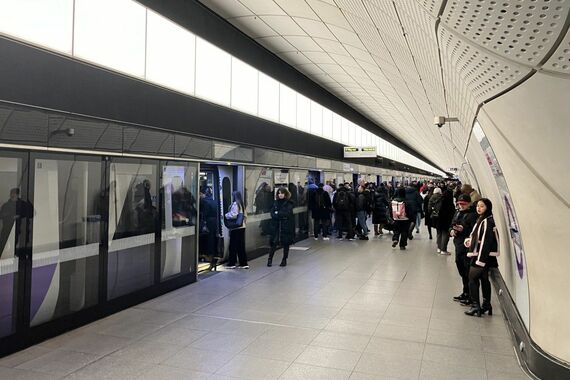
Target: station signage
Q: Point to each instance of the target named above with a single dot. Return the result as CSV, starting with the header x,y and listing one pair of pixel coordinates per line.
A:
x,y
360,152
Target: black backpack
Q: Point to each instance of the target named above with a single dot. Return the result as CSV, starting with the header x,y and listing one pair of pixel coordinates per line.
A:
x,y
342,202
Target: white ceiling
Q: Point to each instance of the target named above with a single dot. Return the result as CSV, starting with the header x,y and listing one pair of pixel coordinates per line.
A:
x,y
388,60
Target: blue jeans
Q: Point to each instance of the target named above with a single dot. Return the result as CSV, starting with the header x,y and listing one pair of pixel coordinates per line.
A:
x,y
361,215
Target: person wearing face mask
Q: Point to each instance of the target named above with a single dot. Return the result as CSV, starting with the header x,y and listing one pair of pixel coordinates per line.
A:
x,y
283,225
483,250
461,225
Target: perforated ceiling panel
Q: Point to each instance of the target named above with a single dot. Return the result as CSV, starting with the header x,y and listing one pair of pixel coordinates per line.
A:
x,y
520,30
387,60
560,60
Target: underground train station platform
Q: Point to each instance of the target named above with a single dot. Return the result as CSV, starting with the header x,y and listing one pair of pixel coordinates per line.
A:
x,y
339,310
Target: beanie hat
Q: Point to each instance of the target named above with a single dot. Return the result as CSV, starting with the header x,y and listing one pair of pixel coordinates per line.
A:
x,y
464,198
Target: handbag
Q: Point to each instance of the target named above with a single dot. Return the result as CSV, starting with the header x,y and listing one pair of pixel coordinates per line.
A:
x,y
232,224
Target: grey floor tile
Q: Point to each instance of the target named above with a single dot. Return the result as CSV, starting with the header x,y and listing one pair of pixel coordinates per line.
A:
x,y
199,360
466,341
162,372
24,356
414,334
303,372
197,322
111,368
329,358
245,366
391,347
215,341
96,344
502,363
367,376
493,375
341,341
274,349
352,327
437,371
451,356
59,362
498,345
175,335
22,374
289,334
252,329
147,351
394,366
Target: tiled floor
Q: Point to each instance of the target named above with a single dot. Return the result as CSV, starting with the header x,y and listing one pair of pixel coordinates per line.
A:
x,y
340,310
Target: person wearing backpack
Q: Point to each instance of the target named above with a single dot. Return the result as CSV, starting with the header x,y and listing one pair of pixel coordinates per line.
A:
x,y
343,203
322,212
434,206
401,220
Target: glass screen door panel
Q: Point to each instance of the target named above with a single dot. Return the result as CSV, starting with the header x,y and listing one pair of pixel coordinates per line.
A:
x,y
133,221
66,236
178,246
13,213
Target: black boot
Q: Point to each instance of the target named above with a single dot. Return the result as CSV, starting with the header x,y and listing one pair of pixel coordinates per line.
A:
x,y
283,263
461,297
285,256
475,310
486,307
270,258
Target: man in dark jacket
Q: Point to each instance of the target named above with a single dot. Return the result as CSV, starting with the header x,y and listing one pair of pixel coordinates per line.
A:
x,y
322,212
414,202
344,205
462,224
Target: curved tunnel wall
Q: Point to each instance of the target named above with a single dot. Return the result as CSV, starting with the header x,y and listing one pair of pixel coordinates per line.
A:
x,y
528,131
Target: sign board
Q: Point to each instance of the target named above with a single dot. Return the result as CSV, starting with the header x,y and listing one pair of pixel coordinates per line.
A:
x,y
360,152
281,178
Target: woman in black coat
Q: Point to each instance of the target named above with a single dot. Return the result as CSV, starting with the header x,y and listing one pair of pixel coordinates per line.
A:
x,y
283,225
380,209
427,211
444,219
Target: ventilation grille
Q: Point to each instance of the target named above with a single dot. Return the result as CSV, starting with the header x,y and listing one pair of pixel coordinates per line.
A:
x,y
560,60
520,30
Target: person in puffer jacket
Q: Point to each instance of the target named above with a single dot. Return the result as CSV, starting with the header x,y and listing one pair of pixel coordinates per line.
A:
x,y
483,250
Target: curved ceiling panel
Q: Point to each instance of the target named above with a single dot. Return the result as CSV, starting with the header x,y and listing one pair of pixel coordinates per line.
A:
x,y
394,62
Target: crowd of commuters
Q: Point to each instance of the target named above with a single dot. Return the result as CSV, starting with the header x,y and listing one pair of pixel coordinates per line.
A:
x,y
454,210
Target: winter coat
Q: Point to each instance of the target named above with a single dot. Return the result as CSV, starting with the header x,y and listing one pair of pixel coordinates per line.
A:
x,y
414,202
427,210
484,246
362,202
323,205
380,207
446,212
466,219
283,222
434,207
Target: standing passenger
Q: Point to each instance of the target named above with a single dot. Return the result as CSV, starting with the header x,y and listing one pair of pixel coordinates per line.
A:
x,y
380,209
461,226
322,212
401,219
483,246
283,225
444,221
237,235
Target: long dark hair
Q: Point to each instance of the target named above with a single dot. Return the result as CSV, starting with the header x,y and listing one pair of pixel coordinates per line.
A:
x,y
236,197
488,211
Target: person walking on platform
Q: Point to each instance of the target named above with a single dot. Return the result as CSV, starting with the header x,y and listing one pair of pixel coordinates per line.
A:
x,y
483,250
461,226
414,202
237,234
443,223
401,220
380,209
362,210
343,203
322,212
427,210
283,231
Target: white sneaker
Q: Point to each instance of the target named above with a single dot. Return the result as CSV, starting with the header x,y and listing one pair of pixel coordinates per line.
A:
x,y
326,238
445,253
316,238
438,250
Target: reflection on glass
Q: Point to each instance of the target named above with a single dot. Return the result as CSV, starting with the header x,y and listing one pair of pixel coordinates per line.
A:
x,y
132,226
12,214
65,241
259,196
178,247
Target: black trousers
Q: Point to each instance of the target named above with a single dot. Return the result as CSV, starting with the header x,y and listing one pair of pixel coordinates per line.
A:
x,y
462,264
237,247
322,223
344,222
274,248
401,231
478,275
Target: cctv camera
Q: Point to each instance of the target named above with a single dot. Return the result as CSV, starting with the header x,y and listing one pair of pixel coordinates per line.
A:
x,y
439,121
70,131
